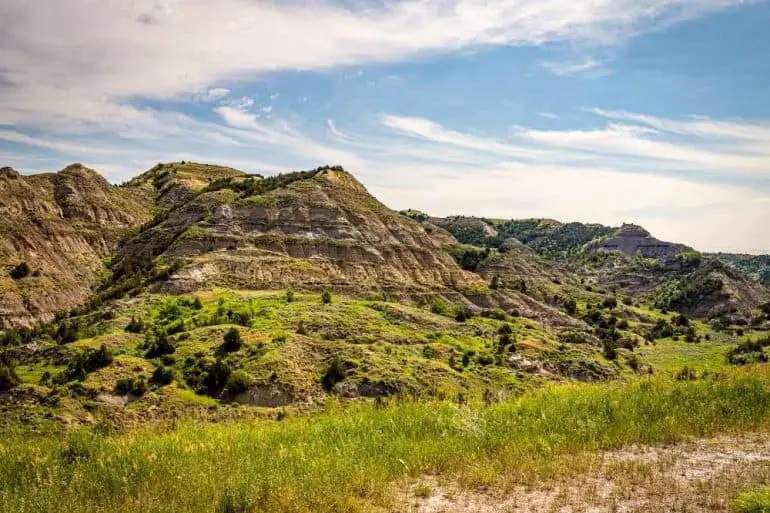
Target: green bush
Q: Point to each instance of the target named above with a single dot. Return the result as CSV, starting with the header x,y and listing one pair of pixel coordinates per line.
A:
x,y
239,382
162,375
326,297
20,271
127,386
232,341
462,314
570,305
289,296
135,325
438,307
8,377
754,501
157,344
334,373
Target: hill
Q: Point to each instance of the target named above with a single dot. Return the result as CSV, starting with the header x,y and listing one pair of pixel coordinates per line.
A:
x,y
56,230
207,291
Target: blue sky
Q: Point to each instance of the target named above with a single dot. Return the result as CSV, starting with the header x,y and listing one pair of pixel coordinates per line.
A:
x,y
648,111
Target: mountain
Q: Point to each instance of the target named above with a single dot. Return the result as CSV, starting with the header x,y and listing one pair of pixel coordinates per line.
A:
x,y
56,230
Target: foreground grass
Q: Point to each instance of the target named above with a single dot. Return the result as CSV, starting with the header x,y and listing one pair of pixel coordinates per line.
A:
x,y
349,459
757,501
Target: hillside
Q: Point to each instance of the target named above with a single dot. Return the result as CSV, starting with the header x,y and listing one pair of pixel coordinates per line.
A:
x,y
226,292
61,225
630,261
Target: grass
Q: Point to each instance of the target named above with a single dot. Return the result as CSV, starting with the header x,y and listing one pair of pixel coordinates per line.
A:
x,y
352,458
755,501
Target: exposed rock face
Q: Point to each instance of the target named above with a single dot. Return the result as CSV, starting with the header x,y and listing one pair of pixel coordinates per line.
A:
x,y
631,240
322,231
61,225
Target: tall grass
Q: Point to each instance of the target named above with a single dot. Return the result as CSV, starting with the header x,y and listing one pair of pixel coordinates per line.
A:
x,y
349,459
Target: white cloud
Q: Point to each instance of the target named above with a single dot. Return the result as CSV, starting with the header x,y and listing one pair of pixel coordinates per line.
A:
x,y
211,95
589,68
548,115
101,55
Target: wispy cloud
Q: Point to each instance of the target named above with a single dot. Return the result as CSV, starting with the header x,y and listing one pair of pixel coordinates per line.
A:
x,y
71,76
588,68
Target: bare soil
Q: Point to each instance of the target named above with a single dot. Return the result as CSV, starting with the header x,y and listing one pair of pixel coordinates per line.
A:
x,y
696,476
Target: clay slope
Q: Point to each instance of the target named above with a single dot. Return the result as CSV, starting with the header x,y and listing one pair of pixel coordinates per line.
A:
x,y
61,225
317,229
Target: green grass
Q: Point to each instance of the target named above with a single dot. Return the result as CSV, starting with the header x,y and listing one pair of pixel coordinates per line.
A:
x,y
755,501
351,459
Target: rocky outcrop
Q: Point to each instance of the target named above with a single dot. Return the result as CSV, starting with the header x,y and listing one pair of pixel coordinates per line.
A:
x,y
61,225
323,231
632,240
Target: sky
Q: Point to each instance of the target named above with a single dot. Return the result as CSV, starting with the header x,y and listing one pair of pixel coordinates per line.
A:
x,y
655,112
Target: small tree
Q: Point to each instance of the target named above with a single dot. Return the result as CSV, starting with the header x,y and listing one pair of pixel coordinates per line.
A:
x,y
8,377
232,341
159,346
570,305
162,375
326,297
20,271
197,303
334,373
495,283
289,296
135,325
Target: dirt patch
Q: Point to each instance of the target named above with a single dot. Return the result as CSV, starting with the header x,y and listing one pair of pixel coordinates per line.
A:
x,y
698,476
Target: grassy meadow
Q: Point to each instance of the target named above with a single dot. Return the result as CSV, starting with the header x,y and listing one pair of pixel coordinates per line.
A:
x,y
356,457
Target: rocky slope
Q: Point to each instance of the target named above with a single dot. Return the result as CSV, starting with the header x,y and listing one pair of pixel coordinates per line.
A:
x,y
61,225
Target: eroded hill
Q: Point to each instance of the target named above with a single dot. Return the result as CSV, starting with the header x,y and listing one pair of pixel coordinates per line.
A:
x,y
56,230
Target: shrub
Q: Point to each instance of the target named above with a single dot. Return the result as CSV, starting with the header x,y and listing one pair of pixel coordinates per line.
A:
x,y
662,329
686,374
333,374
197,303
469,258
301,329
748,352
289,296
157,344
8,377
610,302
608,349
232,341
216,376
467,355
239,382
485,359
326,297
438,307
135,325
127,386
66,333
570,305
20,271
505,329
462,314
495,283
162,375
497,313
